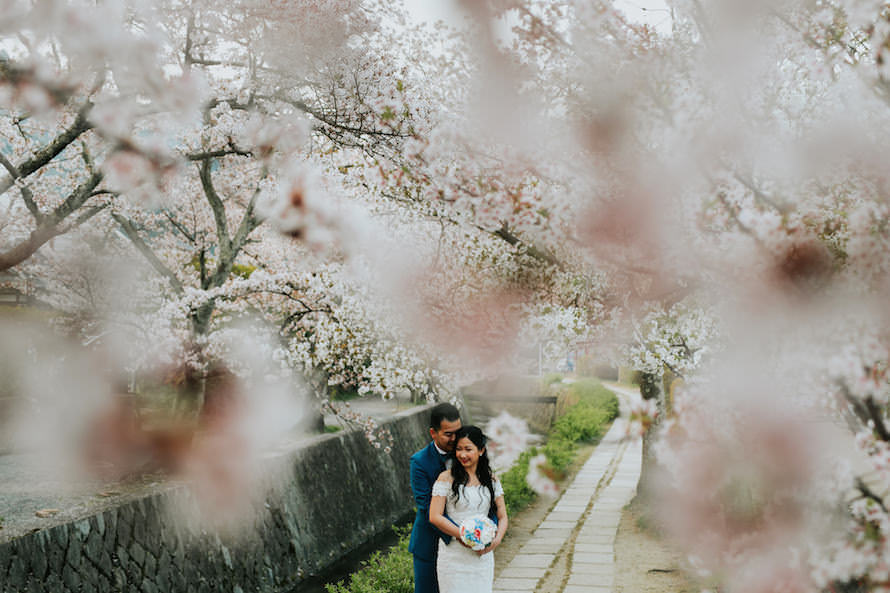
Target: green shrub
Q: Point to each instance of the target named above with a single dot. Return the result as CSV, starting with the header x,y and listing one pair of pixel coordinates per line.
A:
x,y
517,493
560,453
588,408
582,423
391,571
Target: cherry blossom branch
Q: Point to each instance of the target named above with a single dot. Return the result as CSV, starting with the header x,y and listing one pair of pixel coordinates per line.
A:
x,y
27,196
50,225
535,252
759,194
325,119
877,418
217,208
132,234
180,227
51,150
215,154
869,493
16,75
867,411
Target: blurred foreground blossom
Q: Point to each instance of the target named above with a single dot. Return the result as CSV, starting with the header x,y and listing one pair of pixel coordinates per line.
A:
x,y
540,478
748,498
508,437
643,413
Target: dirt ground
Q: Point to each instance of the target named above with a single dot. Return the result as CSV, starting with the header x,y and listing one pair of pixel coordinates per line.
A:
x,y
643,562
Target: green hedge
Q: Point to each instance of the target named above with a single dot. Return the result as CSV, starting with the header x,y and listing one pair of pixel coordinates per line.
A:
x,y
583,422
392,571
517,493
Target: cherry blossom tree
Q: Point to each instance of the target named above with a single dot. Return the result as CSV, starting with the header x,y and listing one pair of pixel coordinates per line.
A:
x,y
712,196
731,165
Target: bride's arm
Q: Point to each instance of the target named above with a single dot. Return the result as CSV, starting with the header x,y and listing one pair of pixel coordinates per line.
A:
x,y
437,509
502,526
502,521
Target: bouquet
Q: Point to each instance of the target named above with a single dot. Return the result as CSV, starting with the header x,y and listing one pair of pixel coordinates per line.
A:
x,y
477,532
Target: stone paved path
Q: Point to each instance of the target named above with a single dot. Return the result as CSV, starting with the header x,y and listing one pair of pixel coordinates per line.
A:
x,y
583,523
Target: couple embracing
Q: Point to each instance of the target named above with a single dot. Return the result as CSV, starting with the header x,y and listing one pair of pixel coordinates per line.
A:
x,y
452,481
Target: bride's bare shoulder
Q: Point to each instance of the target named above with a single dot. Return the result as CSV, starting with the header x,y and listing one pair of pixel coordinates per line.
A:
x,y
445,477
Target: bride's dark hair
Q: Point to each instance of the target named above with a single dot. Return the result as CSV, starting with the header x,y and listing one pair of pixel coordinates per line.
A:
x,y
483,469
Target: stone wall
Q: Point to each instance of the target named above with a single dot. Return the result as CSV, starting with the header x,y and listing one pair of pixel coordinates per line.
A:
x,y
336,493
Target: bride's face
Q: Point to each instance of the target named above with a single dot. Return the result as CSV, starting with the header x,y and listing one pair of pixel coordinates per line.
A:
x,y
467,452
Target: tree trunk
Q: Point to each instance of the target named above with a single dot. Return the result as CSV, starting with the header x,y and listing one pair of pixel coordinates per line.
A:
x,y
651,388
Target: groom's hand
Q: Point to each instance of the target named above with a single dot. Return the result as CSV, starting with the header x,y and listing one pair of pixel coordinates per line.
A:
x,y
489,548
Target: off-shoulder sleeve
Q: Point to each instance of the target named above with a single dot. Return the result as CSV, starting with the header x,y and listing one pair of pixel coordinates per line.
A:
x,y
441,488
498,489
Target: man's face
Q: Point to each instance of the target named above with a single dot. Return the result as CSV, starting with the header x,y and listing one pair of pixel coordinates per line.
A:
x,y
444,437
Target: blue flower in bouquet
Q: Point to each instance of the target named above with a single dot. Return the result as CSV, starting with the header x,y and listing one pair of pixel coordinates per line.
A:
x,y
478,532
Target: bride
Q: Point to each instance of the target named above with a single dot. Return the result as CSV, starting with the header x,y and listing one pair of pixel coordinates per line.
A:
x,y
467,490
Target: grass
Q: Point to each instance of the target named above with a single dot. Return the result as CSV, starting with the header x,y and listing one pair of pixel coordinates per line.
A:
x,y
390,571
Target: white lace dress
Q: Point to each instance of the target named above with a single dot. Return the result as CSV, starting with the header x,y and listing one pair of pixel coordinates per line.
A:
x,y
459,569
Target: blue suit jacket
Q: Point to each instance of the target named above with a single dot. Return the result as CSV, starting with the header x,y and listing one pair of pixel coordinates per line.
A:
x,y
426,465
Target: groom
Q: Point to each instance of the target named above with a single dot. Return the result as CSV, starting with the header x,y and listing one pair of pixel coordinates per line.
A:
x,y
426,465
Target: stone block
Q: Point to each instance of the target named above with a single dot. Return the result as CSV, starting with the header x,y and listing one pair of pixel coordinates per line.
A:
x,y
148,587
53,582
119,579
70,578
150,565
17,576
137,553
73,555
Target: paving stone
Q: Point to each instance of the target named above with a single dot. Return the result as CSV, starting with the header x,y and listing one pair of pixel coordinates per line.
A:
x,y
592,558
520,584
540,548
554,525
569,508
563,516
587,568
532,560
582,589
593,548
527,572
581,500
562,532
556,542
591,580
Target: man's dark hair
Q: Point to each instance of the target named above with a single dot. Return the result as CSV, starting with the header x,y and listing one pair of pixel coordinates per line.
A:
x,y
443,411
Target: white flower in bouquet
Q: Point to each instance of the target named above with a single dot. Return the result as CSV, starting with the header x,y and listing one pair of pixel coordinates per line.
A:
x,y
478,532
